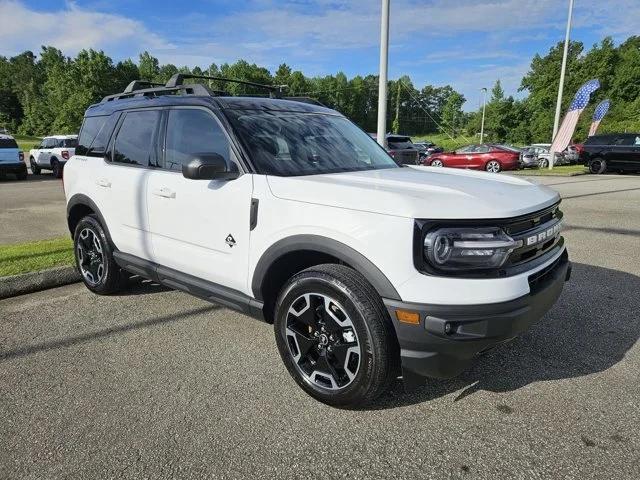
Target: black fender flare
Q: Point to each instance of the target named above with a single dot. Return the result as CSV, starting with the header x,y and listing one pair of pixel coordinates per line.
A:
x,y
328,246
81,199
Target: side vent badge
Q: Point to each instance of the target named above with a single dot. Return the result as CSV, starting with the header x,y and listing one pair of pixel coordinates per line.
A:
x,y
230,241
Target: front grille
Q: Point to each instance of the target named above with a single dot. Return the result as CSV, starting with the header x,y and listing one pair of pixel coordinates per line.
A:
x,y
406,157
536,225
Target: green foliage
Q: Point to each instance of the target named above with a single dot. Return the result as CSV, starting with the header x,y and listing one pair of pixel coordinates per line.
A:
x,y
48,93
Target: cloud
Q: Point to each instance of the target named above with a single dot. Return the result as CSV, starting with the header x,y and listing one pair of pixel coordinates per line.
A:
x,y
71,30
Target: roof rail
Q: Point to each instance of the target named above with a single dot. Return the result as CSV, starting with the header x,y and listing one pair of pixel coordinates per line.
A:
x,y
275,91
309,100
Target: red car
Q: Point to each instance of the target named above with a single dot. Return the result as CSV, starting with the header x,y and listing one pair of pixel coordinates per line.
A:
x,y
492,158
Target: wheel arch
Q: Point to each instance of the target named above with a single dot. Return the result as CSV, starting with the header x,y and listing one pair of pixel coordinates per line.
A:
x,y
79,206
293,254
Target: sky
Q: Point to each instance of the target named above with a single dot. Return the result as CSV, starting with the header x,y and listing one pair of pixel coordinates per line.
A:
x,y
468,44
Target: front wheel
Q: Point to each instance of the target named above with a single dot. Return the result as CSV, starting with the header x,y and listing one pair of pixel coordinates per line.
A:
x,y
335,336
437,163
94,258
493,166
543,163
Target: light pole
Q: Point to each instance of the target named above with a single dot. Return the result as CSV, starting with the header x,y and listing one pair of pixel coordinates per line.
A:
x,y
384,63
484,107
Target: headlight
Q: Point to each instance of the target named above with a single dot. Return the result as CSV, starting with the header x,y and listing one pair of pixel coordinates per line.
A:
x,y
468,248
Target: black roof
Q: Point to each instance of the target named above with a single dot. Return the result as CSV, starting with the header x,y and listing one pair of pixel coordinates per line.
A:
x,y
141,93
222,103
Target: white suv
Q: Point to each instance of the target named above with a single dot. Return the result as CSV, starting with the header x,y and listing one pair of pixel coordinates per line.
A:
x,y
288,212
52,154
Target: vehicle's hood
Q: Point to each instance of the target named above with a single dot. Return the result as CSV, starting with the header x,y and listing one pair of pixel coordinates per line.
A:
x,y
419,192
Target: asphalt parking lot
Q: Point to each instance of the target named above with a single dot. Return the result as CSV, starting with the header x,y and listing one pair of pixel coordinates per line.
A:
x,y
157,384
32,210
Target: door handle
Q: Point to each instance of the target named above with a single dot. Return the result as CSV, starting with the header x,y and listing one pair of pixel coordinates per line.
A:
x,y
103,183
164,192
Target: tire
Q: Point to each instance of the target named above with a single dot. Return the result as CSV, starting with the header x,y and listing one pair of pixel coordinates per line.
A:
x,y
23,174
493,166
597,166
344,352
35,169
94,258
543,163
57,168
437,163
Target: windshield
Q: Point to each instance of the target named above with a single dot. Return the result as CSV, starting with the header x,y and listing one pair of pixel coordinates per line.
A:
x,y
292,144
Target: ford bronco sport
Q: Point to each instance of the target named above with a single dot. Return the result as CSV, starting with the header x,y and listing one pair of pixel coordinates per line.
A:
x,y
285,210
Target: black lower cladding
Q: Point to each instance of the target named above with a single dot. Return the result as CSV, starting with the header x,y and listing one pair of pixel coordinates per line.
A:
x,y
451,336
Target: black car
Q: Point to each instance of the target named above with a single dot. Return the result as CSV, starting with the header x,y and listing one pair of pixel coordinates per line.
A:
x,y
612,152
402,149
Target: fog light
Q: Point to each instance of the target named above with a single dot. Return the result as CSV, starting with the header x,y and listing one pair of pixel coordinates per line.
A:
x,y
447,328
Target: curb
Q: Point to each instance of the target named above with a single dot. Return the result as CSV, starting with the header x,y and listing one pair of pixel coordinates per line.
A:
x,y
24,283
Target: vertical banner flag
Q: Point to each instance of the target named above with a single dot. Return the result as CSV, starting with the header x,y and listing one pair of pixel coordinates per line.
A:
x,y
580,101
601,111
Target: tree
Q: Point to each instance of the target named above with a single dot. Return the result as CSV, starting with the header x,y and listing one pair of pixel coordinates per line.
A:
x,y
148,66
452,116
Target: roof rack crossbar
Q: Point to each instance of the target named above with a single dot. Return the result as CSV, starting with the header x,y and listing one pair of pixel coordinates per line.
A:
x,y
140,84
274,90
190,89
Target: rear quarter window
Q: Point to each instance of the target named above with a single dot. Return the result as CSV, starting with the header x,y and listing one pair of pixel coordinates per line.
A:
x,y
94,135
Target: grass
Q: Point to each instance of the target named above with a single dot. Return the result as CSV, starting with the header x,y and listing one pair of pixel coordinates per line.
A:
x,y
33,256
565,171
26,143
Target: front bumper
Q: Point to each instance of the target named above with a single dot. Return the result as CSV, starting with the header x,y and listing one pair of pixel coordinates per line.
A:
x,y
449,337
12,167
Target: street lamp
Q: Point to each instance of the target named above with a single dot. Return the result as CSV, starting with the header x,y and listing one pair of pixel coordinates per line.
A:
x,y
484,107
382,80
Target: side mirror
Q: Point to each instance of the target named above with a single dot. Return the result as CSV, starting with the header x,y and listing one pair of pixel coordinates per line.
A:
x,y
209,166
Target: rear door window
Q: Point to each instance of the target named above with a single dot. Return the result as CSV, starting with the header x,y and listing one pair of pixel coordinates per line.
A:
x,y
134,142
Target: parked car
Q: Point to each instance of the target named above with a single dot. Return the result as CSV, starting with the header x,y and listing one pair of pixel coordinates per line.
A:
x,y
492,158
612,152
402,149
288,212
542,152
52,154
571,155
426,149
11,158
529,158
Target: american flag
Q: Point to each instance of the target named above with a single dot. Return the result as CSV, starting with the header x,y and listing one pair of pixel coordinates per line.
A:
x,y
568,126
601,111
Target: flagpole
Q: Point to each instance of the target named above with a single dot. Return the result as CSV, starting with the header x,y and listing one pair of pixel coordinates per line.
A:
x,y
484,106
382,79
556,121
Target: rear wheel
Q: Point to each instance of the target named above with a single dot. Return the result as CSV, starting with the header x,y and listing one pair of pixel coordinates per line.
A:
x,y
22,175
335,337
35,169
493,166
57,168
94,258
597,166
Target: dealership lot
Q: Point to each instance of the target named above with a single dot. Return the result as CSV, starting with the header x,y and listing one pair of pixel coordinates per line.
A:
x,y
157,384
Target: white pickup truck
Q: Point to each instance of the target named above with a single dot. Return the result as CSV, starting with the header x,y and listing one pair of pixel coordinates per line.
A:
x,y
52,153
